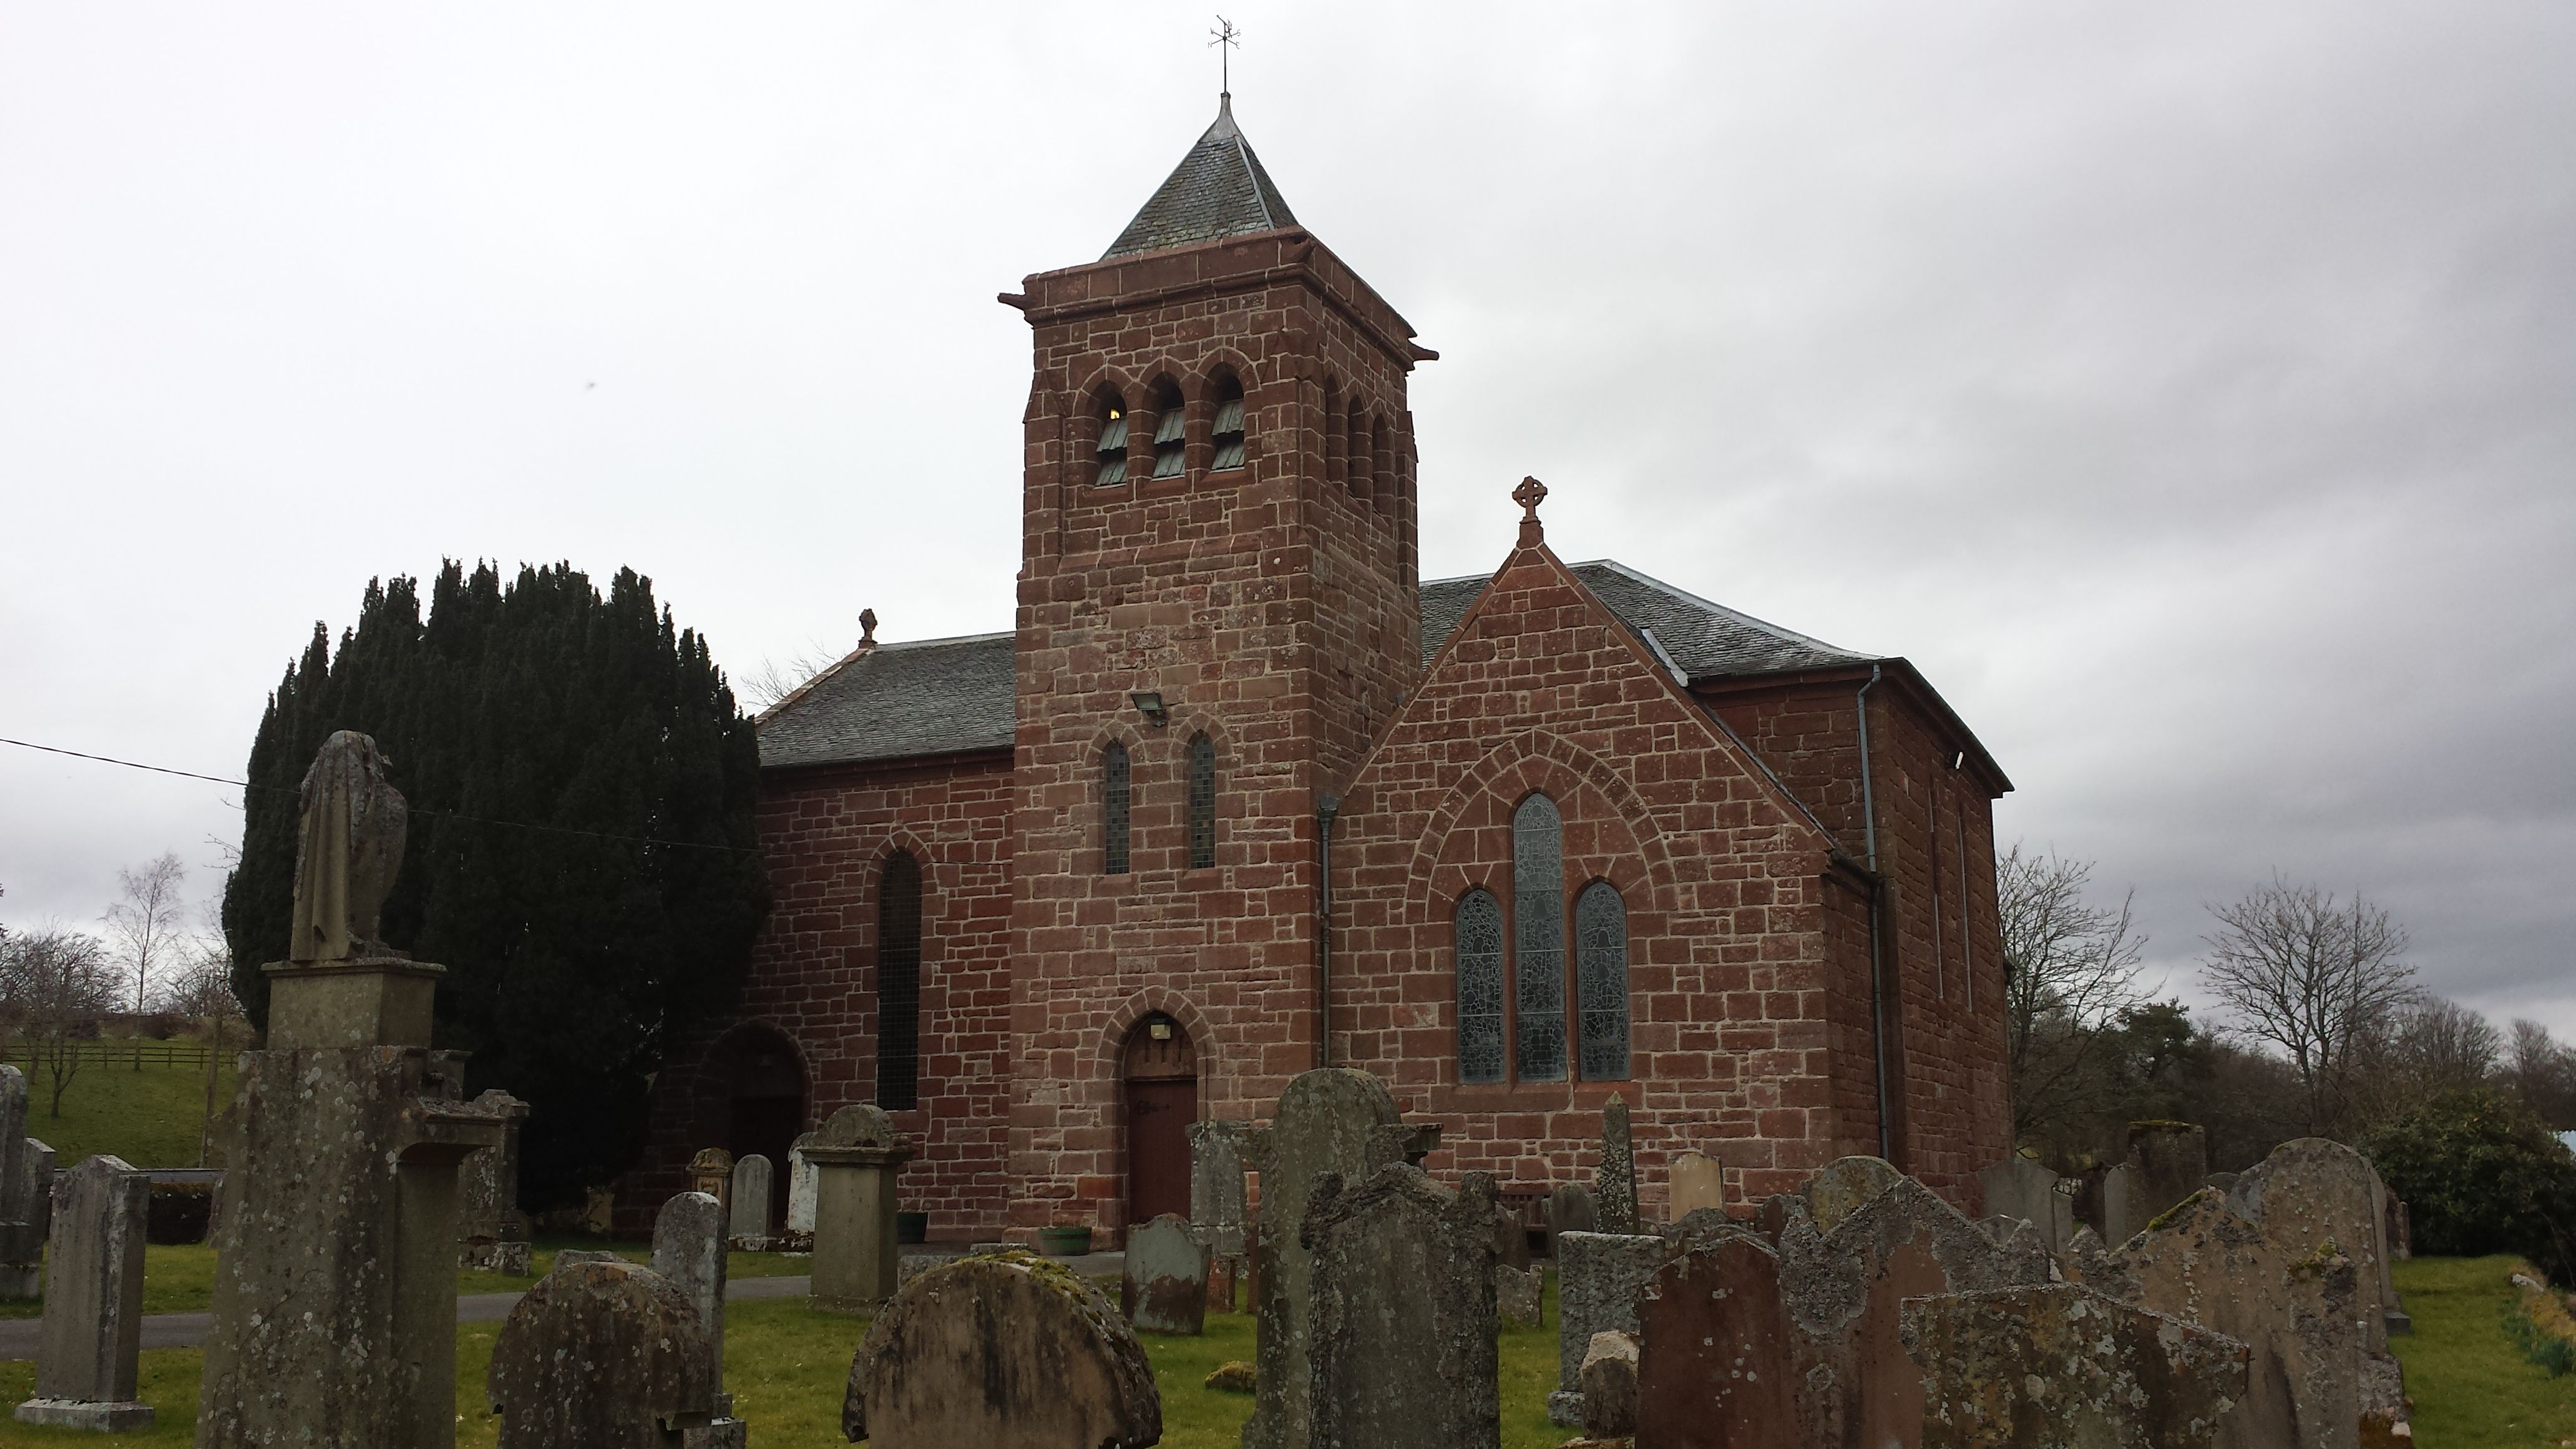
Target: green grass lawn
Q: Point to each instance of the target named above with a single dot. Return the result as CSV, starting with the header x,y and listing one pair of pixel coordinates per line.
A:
x,y
150,1118
2471,1389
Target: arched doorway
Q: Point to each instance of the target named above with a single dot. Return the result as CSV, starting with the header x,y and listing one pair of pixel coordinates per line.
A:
x,y
751,1098
1159,1073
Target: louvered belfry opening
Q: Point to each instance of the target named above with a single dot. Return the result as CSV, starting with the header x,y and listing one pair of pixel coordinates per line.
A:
x,y
1202,802
1170,425
1228,432
1113,809
899,984
1112,452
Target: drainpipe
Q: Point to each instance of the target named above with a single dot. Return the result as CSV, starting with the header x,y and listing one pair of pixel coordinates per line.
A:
x,y
1877,895
1326,806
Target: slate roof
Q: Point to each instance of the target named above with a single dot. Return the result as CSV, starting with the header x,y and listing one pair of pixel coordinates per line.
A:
x,y
1218,190
930,697
1703,639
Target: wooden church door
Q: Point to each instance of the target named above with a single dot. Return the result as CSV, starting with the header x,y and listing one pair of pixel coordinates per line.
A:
x,y
1161,1081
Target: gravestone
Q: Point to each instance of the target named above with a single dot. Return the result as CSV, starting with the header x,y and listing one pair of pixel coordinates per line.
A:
x,y
801,1181
1216,1185
1616,1183
2059,1364
750,1203
1511,1240
1610,1386
26,1194
711,1172
93,1327
689,1252
2120,1221
1331,1122
1844,1184
1598,1279
1697,1181
1164,1283
334,1313
1843,1288
2020,1187
1002,1351
601,1356
2313,1191
2168,1161
1402,1339
857,1155
1569,1210
491,1233
1520,1294
1714,1368
1702,1227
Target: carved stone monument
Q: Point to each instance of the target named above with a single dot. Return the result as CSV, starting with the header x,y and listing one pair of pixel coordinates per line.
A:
x,y
1616,1184
2058,1364
689,1250
857,1155
93,1328
491,1233
750,1205
801,1182
711,1172
334,1315
1695,1181
1599,1278
610,1354
1401,1338
1163,1284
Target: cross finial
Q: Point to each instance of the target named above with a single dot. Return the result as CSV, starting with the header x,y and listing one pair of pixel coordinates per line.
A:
x,y
1529,495
1227,41
868,627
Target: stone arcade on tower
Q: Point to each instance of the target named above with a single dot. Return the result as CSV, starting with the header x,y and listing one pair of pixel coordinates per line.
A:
x,y
1240,795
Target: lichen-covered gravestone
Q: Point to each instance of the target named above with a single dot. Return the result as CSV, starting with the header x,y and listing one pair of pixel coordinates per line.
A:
x,y
2061,1365
1598,1279
601,1355
1402,1343
1616,1183
2019,1187
802,1179
750,1203
1519,1294
93,1328
689,1251
26,1194
857,1155
711,1172
1610,1386
1696,1181
1217,1197
1001,1351
1570,1210
491,1233
1163,1283
1714,1368
1845,1183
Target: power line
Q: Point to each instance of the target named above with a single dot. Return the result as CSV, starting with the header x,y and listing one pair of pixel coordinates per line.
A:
x,y
413,809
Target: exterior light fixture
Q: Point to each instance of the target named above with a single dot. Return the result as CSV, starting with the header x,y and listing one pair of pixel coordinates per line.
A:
x,y
1149,703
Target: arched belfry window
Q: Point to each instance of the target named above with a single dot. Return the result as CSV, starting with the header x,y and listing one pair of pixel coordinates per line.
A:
x,y
899,984
1202,802
1361,467
1480,988
1113,809
1228,432
1601,981
1538,939
1169,424
1112,452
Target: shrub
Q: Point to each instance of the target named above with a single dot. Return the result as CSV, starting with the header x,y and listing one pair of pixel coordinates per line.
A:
x,y
2480,1174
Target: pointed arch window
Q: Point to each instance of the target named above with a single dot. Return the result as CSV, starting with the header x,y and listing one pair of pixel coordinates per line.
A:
x,y
1229,432
1601,981
1538,939
1113,809
1169,425
1202,802
899,984
1480,987
1111,454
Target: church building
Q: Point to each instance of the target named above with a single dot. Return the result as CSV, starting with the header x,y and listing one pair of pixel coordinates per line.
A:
x,y
1240,795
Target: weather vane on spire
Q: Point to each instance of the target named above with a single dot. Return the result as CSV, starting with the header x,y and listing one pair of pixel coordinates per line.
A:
x,y
1228,39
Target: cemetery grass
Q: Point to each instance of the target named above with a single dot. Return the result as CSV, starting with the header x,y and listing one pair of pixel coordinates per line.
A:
x,y
2472,1388
150,1118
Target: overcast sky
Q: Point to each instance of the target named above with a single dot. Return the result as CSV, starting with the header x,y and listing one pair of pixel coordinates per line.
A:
x,y
2188,389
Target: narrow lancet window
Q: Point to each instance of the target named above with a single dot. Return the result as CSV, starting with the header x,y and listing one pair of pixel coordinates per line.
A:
x,y
1112,452
1229,427
1601,981
1113,809
1480,988
1169,426
1202,802
1538,939
899,984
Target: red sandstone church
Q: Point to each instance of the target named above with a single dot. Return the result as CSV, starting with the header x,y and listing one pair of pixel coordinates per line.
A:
x,y
1241,795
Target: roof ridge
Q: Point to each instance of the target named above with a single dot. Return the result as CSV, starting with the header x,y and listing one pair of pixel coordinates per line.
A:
x,y
1650,581
944,639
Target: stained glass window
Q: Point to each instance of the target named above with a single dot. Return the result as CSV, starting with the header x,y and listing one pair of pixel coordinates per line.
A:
x,y
899,984
1538,939
1202,802
1113,809
1601,981
1112,452
1228,432
1480,988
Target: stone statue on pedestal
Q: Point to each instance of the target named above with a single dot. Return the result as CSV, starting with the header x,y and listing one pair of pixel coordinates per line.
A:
x,y
349,847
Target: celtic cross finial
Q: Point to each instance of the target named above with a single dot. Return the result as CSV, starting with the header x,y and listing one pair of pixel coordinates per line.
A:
x,y
1529,495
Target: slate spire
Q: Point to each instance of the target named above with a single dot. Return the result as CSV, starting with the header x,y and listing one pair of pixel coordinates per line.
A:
x,y
1218,190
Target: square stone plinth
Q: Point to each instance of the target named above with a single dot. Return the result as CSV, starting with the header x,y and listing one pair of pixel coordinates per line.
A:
x,y
74,1414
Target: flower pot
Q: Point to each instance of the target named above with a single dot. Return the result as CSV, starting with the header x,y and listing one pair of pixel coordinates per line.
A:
x,y
1065,1242
912,1227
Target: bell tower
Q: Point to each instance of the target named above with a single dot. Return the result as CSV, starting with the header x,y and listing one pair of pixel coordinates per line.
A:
x,y
1217,608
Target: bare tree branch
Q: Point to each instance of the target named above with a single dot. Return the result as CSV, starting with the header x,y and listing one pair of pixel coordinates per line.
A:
x,y
146,926
54,982
2070,978
2314,979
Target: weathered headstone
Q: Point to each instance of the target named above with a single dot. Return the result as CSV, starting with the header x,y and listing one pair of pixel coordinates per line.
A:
x,y
491,1233
1714,1370
1610,1386
1164,1284
1216,1184
801,1182
2020,1187
334,1314
711,1172
750,1203
93,1328
2061,1365
26,1194
2120,1221
1598,1279
1844,1184
1570,1210
2168,1161
1330,1122
689,1252
1520,1294
1511,1240
1697,1181
857,1154
2311,1192
1007,1351
601,1356
1615,1186
1402,1341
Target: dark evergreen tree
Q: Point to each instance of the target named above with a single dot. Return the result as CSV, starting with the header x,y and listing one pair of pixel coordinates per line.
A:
x,y
582,856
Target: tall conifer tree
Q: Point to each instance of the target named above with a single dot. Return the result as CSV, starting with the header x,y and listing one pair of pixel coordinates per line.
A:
x,y
582,854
